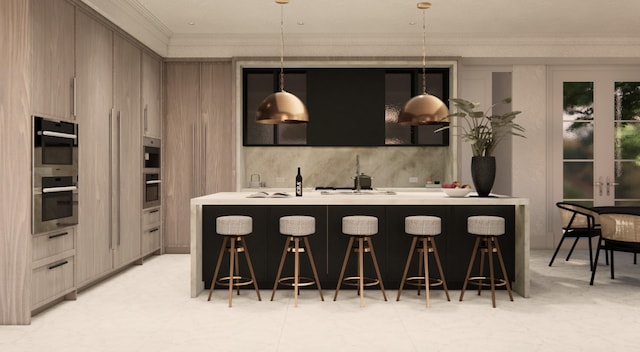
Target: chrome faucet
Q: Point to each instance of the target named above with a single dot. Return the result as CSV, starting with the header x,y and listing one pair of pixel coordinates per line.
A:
x,y
358,173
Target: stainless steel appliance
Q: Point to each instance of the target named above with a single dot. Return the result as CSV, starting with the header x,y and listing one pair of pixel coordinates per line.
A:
x,y
55,174
151,174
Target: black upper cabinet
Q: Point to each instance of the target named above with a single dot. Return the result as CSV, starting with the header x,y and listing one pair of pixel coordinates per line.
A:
x,y
347,106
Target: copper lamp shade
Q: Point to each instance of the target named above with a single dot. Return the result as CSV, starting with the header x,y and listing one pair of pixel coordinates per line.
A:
x,y
282,107
423,109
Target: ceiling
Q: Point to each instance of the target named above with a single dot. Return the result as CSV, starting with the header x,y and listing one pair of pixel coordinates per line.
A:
x,y
189,23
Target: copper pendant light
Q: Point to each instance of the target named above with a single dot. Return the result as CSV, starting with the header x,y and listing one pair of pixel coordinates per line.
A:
x,y
282,106
423,109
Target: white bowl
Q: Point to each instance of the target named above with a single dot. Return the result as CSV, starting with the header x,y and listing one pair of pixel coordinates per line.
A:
x,y
456,192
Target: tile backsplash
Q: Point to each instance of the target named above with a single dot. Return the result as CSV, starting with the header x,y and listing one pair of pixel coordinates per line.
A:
x,y
332,166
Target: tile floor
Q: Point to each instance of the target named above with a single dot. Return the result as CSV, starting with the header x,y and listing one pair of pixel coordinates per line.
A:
x,y
147,308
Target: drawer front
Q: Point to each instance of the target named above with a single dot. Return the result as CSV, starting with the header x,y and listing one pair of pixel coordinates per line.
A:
x,y
150,218
52,243
151,240
51,280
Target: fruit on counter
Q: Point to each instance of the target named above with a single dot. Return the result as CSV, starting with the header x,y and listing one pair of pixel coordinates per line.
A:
x,y
455,184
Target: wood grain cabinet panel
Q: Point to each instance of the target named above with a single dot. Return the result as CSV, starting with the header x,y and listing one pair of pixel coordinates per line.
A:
x,y
198,143
127,170
52,86
95,103
151,80
51,281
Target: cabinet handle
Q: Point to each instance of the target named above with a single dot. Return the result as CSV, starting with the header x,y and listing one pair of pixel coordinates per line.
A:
x,y
58,264
154,230
154,211
74,100
193,160
111,115
203,161
145,117
58,235
118,174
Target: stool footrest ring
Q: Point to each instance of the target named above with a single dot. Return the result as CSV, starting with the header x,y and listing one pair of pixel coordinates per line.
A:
x,y
432,281
368,281
237,281
480,281
302,281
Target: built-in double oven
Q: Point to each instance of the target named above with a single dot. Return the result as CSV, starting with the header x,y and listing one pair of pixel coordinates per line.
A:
x,y
55,174
151,174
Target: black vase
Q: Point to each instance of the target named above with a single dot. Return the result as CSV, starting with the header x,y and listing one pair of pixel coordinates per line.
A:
x,y
483,173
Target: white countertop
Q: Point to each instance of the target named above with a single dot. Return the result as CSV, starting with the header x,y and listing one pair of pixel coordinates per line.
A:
x,y
375,197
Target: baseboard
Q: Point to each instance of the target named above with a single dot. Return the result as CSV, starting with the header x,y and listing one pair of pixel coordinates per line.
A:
x,y
177,250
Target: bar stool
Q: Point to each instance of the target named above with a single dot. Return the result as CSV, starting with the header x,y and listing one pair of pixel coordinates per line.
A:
x,y
360,228
486,229
234,229
423,229
297,228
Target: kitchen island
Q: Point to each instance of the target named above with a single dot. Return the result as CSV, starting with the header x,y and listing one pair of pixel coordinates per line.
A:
x,y
329,244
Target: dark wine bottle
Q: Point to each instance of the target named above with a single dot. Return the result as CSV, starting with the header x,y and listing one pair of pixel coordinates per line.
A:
x,y
298,184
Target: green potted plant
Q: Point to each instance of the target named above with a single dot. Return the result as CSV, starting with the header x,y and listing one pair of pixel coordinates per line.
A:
x,y
483,132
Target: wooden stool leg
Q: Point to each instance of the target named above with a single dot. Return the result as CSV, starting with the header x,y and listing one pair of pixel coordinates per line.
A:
x,y
504,271
217,269
253,274
296,271
473,257
344,266
437,257
420,266
237,269
406,266
232,257
425,255
313,266
375,266
361,269
482,259
491,275
282,259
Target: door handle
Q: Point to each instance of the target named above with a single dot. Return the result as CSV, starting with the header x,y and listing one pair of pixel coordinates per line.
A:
x,y
599,183
609,184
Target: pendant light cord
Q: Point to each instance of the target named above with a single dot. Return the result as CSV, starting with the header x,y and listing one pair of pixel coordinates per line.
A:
x,y
281,47
424,53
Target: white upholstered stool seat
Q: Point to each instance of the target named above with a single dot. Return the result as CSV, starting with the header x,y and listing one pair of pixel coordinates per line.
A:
x,y
423,229
487,229
234,229
360,228
296,228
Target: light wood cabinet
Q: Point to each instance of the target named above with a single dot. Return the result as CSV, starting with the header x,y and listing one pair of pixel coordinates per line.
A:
x,y
198,145
15,173
52,59
53,263
95,101
151,80
127,160
109,115
151,231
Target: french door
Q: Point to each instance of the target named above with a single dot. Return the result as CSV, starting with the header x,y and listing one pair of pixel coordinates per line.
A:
x,y
596,128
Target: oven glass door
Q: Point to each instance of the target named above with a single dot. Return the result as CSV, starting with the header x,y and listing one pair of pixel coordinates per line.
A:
x,y
55,143
151,190
55,203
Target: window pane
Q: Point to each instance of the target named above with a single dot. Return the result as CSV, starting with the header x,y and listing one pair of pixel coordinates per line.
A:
x,y
627,101
627,176
627,141
577,140
259,86
578,180
577,101
397,92
296,84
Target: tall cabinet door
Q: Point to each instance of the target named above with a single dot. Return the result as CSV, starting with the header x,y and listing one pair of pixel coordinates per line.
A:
x,y
127,182
217,145
181,152
95,91
52,57
151,75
